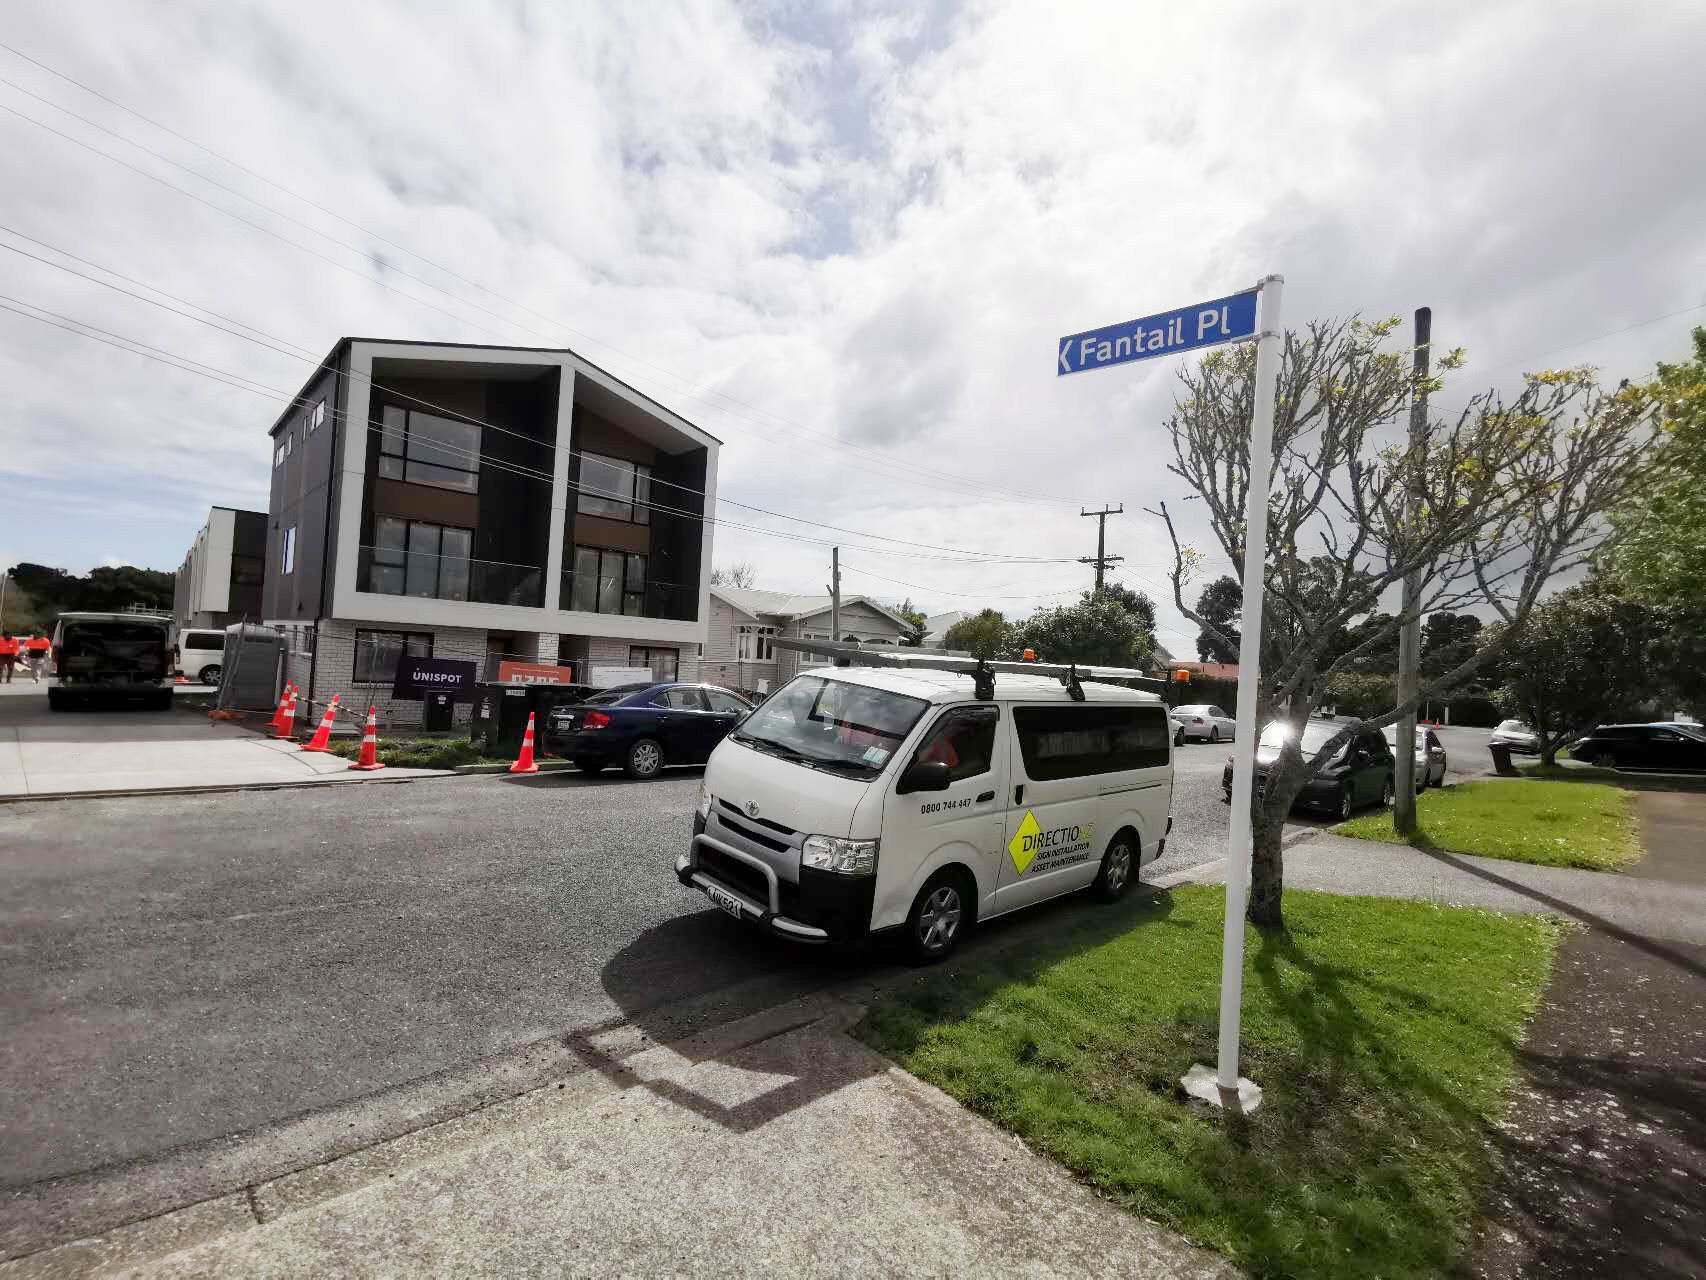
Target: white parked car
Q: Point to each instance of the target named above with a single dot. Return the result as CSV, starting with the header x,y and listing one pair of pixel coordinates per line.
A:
x,y
1430,756
201,655
1515,735
1210,724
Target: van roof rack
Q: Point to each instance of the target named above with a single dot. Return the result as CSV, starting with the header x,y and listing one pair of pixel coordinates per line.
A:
x,y
982,671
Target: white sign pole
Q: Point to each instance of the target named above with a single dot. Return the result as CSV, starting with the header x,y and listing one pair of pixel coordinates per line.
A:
x,y
1224,1087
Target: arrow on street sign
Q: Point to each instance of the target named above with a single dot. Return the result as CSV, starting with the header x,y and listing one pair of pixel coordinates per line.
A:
x,y
1204,324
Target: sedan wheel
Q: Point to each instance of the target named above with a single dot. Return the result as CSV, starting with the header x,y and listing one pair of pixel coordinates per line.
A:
x,y
1179,737
1345,809
1214,734
645,758
1388,793
935,923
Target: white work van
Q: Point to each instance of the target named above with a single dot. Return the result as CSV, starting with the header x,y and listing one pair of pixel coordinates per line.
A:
x,y
863,800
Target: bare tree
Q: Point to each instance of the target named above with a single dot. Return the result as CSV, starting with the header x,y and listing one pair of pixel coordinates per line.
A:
x,y
741,575
1488,508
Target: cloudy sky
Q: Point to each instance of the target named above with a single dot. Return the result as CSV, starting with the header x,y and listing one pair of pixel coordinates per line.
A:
x,y
844,238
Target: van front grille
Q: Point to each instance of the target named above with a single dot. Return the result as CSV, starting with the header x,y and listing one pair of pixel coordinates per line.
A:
x,y
735,809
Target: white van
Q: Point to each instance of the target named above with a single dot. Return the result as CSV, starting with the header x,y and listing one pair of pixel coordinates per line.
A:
x,y
201,654
863,800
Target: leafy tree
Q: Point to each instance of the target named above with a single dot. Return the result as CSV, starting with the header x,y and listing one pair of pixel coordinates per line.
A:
x,y
1487,509
984,635
741,575
55,591
1660,549
1448,640
1136,603
1095,630
917,625
1219,606
1578,660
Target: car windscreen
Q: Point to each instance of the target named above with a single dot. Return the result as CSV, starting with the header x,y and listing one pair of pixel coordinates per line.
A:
x,y
610,697
1511,726
1315,736
830,724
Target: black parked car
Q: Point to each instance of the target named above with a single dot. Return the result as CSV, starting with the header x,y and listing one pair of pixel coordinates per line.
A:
x,y
1669,748
643,727
1359,774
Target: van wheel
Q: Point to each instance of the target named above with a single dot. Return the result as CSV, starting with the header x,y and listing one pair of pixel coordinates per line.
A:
x,y
938,919
57,700
161,701
645,758
1119,869
210,675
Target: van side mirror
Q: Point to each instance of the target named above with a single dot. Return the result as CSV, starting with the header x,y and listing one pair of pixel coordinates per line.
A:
x,y
924,775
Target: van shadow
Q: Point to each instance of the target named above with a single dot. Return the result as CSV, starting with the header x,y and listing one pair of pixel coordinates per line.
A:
x,y
781,988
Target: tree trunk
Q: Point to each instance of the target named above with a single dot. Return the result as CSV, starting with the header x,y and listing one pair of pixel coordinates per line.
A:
x,y
1267,876
1548,756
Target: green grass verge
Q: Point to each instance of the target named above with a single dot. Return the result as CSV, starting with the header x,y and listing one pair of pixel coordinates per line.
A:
x,y
1555,823
1382,1033
432,753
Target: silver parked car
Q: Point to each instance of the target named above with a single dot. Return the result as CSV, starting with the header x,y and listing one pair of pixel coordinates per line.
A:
x,y
1515,735
1210,724
1430,755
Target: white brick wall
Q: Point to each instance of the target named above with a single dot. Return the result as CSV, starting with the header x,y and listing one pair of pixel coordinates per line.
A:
x,y
336,664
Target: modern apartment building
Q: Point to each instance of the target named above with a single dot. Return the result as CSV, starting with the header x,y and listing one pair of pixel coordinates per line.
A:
x,y
482,503
220,580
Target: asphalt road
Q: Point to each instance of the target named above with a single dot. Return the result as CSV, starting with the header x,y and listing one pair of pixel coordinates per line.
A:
x,y
179,968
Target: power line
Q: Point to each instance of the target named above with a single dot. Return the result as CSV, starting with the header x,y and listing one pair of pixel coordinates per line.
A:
x,y
692,392
162,356
304,354
942,591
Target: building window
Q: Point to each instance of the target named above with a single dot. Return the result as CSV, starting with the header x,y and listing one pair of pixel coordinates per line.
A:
x,y
753,644
247,571
414,558
287,558
609,582
376,653
423,448
614,488
664,663
316,416
278,455
289,443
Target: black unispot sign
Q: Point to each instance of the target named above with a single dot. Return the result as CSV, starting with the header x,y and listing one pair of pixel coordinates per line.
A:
x,y
417,677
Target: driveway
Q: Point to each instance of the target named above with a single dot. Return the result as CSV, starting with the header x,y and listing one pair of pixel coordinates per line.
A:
x,y
119,748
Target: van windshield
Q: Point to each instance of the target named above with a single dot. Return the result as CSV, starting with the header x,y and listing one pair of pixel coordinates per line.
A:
x,y
829,724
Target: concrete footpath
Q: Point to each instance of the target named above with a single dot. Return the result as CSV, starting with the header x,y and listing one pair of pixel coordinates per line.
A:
x,y
119,749
1603,1148
775,1144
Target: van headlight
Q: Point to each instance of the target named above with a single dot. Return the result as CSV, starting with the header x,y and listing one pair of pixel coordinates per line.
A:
x,y
844,857
704,799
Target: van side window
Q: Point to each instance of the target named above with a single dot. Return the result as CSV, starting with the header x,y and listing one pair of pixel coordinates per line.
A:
x,y
964,740
1082,739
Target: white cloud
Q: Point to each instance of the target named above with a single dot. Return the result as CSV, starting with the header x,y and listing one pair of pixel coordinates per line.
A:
x,y
864,225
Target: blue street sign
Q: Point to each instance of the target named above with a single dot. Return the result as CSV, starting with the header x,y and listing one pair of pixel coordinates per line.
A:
x,y
1201,325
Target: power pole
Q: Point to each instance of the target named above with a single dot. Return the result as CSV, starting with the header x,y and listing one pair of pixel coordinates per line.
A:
x,y
1101,559
1410,635
835,595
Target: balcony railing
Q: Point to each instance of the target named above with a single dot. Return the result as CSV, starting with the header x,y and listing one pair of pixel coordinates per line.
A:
x,y
429,577
610,595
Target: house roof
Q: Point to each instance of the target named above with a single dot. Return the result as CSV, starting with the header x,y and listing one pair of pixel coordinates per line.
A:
x,y
1223,670
936,626
785,604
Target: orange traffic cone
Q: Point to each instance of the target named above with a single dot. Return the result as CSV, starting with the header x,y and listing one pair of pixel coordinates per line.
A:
x,y
287,716
323,735
277,721
524,762
370,744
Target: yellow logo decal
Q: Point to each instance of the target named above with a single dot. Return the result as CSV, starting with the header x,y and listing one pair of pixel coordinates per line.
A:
x,y
1064,846
1024,844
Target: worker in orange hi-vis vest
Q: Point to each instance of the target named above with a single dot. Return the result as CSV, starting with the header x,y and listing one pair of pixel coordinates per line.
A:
x,y
36,649
10,648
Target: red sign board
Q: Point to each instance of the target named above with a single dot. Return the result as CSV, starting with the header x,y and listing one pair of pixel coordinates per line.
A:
x,y
534,673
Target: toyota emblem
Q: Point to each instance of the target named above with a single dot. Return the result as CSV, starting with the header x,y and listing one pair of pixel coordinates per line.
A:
x,y
752,808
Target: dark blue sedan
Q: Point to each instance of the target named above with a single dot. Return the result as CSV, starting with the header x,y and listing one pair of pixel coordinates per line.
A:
x,y
643,727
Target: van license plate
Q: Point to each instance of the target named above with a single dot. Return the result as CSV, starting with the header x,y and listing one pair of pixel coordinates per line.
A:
x,y
727,901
